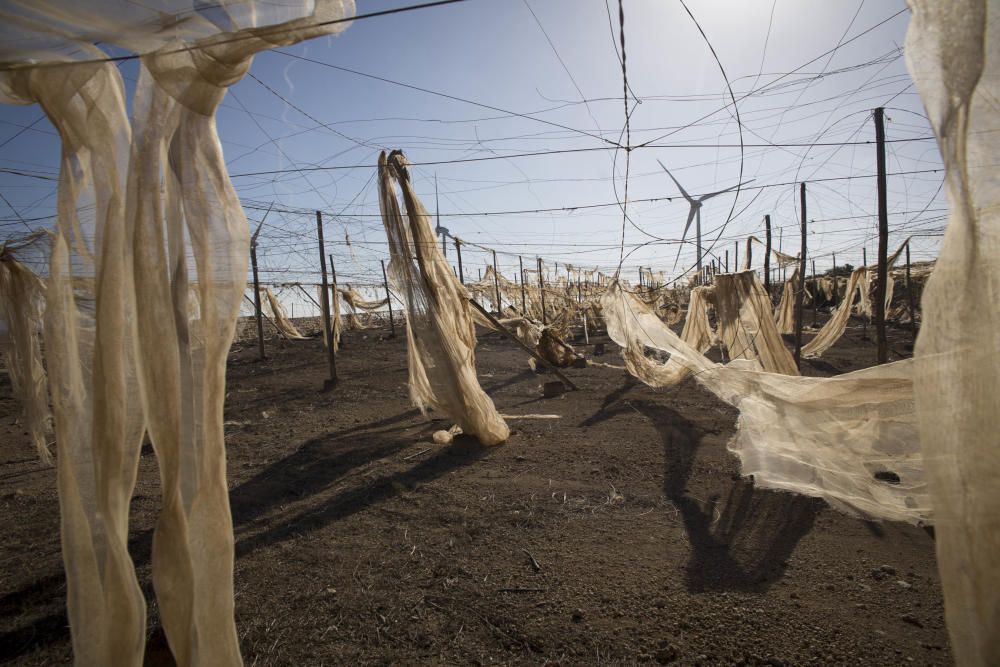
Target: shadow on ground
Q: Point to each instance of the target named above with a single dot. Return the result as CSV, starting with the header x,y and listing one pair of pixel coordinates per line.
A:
x,y
741,537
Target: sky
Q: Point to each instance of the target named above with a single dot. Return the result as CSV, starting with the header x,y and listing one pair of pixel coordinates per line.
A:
x,y
468,90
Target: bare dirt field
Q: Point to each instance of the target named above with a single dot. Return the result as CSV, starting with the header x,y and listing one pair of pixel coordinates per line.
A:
x,y
619,533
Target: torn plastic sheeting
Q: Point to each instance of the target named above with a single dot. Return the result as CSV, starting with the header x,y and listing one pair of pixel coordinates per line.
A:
x,y
824,437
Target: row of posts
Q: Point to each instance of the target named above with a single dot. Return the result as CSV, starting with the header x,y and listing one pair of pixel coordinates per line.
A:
x,y
882,277
880,288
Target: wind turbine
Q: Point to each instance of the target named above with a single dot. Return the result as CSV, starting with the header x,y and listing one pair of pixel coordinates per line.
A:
x,y
694,213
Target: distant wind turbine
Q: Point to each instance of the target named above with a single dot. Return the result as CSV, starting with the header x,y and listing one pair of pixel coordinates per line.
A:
x,y
694,213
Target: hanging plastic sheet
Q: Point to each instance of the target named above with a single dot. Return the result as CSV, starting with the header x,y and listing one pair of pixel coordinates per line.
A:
x,y
165,221
22,303
953,54
441,336
278,316
851,439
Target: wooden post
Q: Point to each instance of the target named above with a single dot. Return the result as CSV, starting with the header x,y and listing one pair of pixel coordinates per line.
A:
x,y
727,261
835,285
781,269
496,282
864,316
815,294
802,280
541,288
331,356
883,239
909,297
458,251
388,299
767,255
736,256
256,297
520,263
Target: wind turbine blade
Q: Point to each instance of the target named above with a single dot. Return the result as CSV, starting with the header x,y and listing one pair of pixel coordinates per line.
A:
x,y
722,192
679,186
691,214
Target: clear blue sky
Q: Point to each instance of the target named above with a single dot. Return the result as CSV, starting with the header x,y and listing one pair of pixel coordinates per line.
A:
x,y
496,53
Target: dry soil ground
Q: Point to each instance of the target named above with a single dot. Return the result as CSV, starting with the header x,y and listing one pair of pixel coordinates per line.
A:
x,y
619,533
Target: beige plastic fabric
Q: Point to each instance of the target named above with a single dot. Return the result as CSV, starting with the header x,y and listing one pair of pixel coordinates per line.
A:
x,y
953,54
697,335
350,297
163,205
860,282
784,313
824,437
554,349
22,303
276,312
356,301
336,323
782,259
441,336
835,327
746,327
698,332
88,351
535,336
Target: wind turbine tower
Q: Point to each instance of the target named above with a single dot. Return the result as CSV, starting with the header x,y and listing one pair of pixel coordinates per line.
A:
x,y
695,214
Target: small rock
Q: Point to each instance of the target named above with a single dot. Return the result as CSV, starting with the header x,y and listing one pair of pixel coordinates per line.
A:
x,y
666,653
553,389
442,438
905,585
911,619
888,569
579,362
